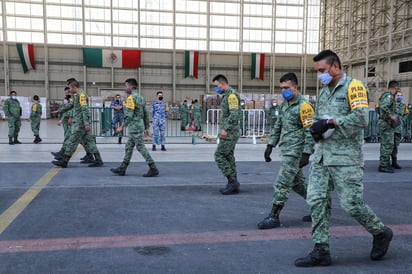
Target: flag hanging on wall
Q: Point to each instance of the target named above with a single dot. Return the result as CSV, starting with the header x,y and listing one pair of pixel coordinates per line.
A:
x,y
191,63
26,54
97,58
258,65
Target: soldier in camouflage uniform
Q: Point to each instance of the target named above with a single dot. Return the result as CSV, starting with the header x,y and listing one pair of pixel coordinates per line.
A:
x,y
291,132
273,113
80,130
159,111
136,119
341,115
197,114
229,133
402,111
184,115
35,118
388,120
13,111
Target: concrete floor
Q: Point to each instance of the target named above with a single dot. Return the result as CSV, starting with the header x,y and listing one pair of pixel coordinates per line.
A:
x,y
86,220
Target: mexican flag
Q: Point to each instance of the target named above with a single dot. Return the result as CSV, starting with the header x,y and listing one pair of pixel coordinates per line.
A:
x,y
26,54
191,63
258,65
97,58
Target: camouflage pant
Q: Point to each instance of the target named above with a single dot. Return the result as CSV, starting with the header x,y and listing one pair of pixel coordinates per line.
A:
x,y
184,120
225,154
14,126
35,125
197,120
387,144
290,177
159,127
396,142
80,136
67,133
347,181
136,139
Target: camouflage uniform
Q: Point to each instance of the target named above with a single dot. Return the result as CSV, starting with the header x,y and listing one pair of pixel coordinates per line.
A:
x,y
230,118
184,116
81,118
197,113
159,114
387,107
136,119
273,115
13,111
292,133
402,111
338,160
35,117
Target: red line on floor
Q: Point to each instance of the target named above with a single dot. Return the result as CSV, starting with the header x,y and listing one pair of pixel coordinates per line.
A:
x,y
211,237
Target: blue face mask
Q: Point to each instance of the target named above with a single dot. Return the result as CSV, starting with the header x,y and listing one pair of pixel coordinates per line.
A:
x,y
128,90
399,99
218,90
325,78
287,94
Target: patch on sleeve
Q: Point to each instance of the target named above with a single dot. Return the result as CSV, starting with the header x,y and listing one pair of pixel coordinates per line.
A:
x,y
357,94
306,114
83,100
406,111
34,108
233,102
130,102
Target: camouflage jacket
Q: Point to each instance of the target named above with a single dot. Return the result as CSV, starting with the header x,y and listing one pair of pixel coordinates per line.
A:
x,y
36,111
136,116
12,108
347,102
292,129
402,111
230,111
79,105
387,107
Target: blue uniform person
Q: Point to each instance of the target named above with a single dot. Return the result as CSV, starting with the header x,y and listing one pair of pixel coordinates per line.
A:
x,y
159,113
118,115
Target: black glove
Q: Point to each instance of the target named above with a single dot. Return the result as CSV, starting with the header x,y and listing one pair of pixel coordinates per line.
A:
x,y
304,160
320,127
268,151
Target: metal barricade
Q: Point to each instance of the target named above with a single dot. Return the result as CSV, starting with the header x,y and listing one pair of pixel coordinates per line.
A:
x,y
252,123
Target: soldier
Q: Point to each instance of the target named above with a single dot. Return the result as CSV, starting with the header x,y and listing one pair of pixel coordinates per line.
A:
x,y
273,113
292,133
159,113
35,118
229,133
117,106
402,111
197,114
80,130
13,111
184,115
137,121
338,161
388,120
244,118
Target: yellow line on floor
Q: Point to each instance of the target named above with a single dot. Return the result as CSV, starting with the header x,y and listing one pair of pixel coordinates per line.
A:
x,y
8,216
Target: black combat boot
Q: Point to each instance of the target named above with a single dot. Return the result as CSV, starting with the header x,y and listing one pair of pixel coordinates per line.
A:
x,y
11,141
232,187
395,164
62,162
272,220
16,141
61,151
120,140
121,170
163,148
381,244
37,139
307,218
98,162
87,159
153,171
320,256
386,169
153,147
